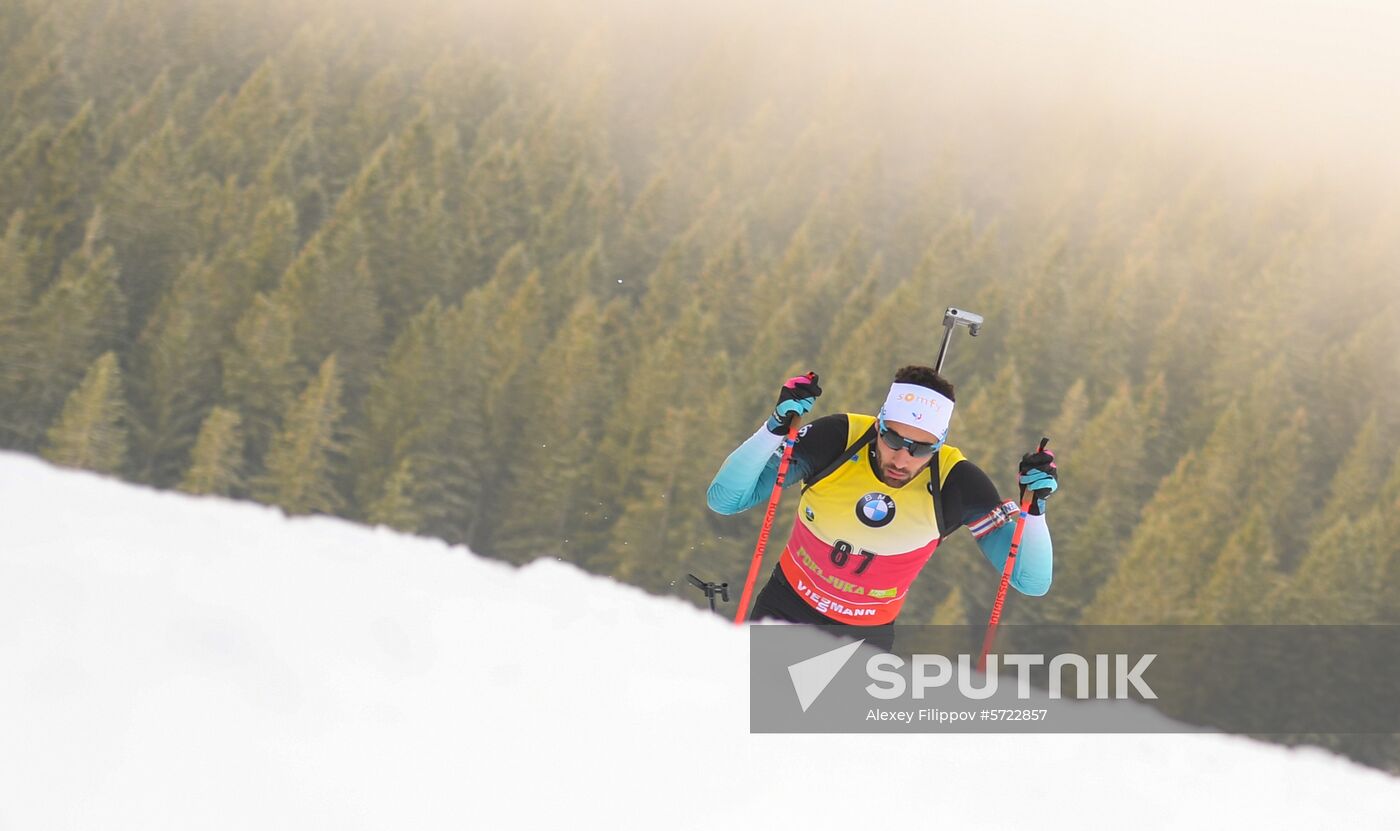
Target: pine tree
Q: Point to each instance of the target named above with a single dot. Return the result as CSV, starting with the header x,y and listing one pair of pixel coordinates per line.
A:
x,y
260,371
141,119
1353,383
134,45
287,164
1343,576
397,505
1065,430
1181,338
16,299
989,428
80,316
1389,510
557,146
1167,560
1360,476
1339,580
1282,480
503,340
329,292
499,210
645,548
667,290
1105,485
662,527
381,103
569,224
254,261
150,202
63,192
466,262
1184,527
586,271
1244,576
408,413
177,378
848,366
410,251
90,432
726,275
233,141
37,75
216,462
818,303
421,455
21,169
646,231
300,469
568,413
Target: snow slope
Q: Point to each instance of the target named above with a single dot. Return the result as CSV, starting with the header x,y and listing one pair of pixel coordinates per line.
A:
x,y
173,662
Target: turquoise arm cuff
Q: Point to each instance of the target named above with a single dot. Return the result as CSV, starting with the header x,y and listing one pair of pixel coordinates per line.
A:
x,y
747,477
1035,562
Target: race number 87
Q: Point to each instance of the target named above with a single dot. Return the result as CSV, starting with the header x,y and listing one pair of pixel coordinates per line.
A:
x,y
841,554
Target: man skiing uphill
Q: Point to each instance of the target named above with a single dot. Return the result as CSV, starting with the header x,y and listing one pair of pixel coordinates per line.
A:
x,y
881,492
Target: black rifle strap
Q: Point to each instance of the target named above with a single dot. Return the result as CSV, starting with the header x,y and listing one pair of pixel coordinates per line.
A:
x,y
865,438
935,487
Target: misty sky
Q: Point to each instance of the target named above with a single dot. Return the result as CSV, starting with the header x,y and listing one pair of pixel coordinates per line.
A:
x,y
1311,85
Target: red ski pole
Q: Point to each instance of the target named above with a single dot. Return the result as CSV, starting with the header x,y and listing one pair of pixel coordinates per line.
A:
x,y
1006,571
788,444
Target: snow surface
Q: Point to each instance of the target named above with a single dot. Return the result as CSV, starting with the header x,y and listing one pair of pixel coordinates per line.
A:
x,y
176,662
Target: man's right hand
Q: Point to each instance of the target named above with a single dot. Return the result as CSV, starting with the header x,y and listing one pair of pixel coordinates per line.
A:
x,y
796,399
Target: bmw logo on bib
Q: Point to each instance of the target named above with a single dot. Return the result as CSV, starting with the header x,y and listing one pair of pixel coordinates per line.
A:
x,y
875,510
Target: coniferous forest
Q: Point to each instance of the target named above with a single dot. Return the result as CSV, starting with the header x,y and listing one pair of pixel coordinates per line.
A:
x,y
520,279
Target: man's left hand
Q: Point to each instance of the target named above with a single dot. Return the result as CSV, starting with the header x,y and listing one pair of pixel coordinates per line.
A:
x,y
1039,474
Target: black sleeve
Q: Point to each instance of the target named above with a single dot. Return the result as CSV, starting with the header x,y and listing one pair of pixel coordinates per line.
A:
x,y
819,443
968,495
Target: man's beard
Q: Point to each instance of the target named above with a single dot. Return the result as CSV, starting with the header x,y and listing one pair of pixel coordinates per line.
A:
x,y
883,475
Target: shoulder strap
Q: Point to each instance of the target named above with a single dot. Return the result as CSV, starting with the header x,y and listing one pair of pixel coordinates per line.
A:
x,y
943,461
935,487
865,438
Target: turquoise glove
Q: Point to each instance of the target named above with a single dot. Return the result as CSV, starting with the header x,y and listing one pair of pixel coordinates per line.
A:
x,y
1038,473
798,396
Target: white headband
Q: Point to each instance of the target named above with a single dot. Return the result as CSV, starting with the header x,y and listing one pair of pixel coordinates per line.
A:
x,y
918,407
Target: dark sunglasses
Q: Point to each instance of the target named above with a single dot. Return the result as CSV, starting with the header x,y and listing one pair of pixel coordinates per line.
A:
x,y
917,449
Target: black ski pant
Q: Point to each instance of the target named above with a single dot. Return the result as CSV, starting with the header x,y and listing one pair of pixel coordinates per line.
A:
x,y
778,601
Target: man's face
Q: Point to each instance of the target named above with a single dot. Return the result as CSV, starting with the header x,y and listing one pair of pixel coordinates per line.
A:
x,y
897,467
